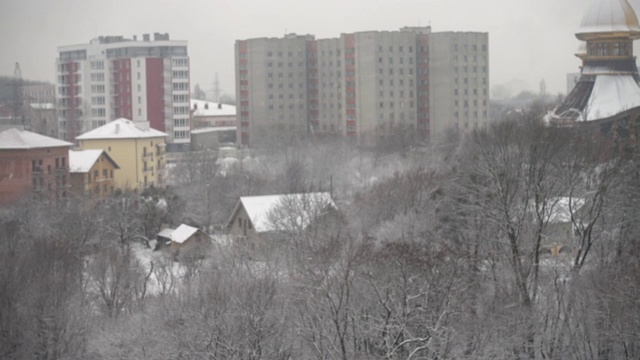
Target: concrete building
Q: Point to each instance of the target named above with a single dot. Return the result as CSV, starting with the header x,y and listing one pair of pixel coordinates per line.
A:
x,y
31,162
608,89
206,114
39,93
136,148
91,173
365,86
114,77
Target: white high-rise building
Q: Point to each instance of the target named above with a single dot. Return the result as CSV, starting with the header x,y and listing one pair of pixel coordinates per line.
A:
x,y
113,77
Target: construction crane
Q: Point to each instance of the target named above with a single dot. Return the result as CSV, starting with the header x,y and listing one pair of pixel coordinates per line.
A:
x,y
18,100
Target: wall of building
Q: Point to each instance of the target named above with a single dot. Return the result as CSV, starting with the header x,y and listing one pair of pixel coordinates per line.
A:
x,y
459,80
366,85
98,183
113,77
141,161
241,226
45,171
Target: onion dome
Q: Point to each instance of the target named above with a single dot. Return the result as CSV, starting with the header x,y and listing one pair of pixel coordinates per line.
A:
x,y
609,19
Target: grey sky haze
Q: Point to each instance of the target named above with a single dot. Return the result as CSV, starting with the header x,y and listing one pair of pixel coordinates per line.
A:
x,y
529,40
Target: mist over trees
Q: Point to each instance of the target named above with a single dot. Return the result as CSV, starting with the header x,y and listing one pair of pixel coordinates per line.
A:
x,y
441,252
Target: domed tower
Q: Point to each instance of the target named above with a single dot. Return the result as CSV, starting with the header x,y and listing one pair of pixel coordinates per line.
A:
x,y
608,87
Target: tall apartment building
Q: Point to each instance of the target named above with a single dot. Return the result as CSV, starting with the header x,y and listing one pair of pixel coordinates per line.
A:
x,y
113,77
365,86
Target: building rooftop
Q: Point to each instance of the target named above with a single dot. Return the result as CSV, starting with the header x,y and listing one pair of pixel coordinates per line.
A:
x,y
23,139
81,161
181,234
609,18
211,108
122,129
259,208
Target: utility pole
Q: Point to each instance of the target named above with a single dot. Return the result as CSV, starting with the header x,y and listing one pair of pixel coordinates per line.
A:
x,y
18,101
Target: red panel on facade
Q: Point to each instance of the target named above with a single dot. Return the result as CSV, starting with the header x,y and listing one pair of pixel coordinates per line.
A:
x,y
155,93
122,88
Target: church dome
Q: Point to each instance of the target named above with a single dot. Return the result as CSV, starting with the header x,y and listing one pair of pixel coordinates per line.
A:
x,y
609,19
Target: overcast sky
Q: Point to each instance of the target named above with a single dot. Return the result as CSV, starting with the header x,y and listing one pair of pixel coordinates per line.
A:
x,y
530,40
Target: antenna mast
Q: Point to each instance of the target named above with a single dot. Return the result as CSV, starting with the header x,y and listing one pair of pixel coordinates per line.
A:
x,y
18,100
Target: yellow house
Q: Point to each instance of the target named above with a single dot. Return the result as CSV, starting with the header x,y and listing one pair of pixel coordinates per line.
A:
x,y
91,173
135,147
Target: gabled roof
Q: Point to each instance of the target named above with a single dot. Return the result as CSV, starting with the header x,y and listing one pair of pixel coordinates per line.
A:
x,y
182,233
121,129
22,139
81,161
259,208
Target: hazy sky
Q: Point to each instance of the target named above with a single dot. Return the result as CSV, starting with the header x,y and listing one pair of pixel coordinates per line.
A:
x,y
530,40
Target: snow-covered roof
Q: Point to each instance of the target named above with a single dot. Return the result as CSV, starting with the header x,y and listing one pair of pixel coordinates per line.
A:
x,y
210,108
609,16
259,208
81,161
182,233
213,129
611,95
121,129
166,233
42,106
23,139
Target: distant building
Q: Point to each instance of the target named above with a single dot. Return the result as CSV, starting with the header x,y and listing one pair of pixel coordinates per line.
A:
x,y
31,162
137,149
91,173
113,77
184,240
39,93
213,137
608,87
206,114
365,86
258,217
42,118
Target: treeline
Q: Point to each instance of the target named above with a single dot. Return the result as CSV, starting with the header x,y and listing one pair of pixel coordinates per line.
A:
x,y
440,256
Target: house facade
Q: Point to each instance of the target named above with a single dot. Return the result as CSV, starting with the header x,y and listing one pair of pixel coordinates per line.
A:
x,y
92,173
257,217
137,149
31,162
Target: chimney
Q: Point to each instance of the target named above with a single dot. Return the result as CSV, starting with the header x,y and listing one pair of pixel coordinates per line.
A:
x,y
135,38
117,128
206,106
145,37
195,106
219,105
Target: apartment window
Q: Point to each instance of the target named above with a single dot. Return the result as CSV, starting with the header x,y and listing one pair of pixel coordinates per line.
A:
x,y
95,174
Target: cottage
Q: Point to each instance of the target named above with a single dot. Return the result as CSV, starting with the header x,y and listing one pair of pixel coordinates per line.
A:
x,y
91,173
183,239
259,216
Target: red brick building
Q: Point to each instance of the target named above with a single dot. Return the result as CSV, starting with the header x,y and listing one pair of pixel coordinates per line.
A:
x,y
31,162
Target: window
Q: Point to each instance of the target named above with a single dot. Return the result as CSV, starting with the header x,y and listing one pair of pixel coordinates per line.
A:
x,y
104,173
95,174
